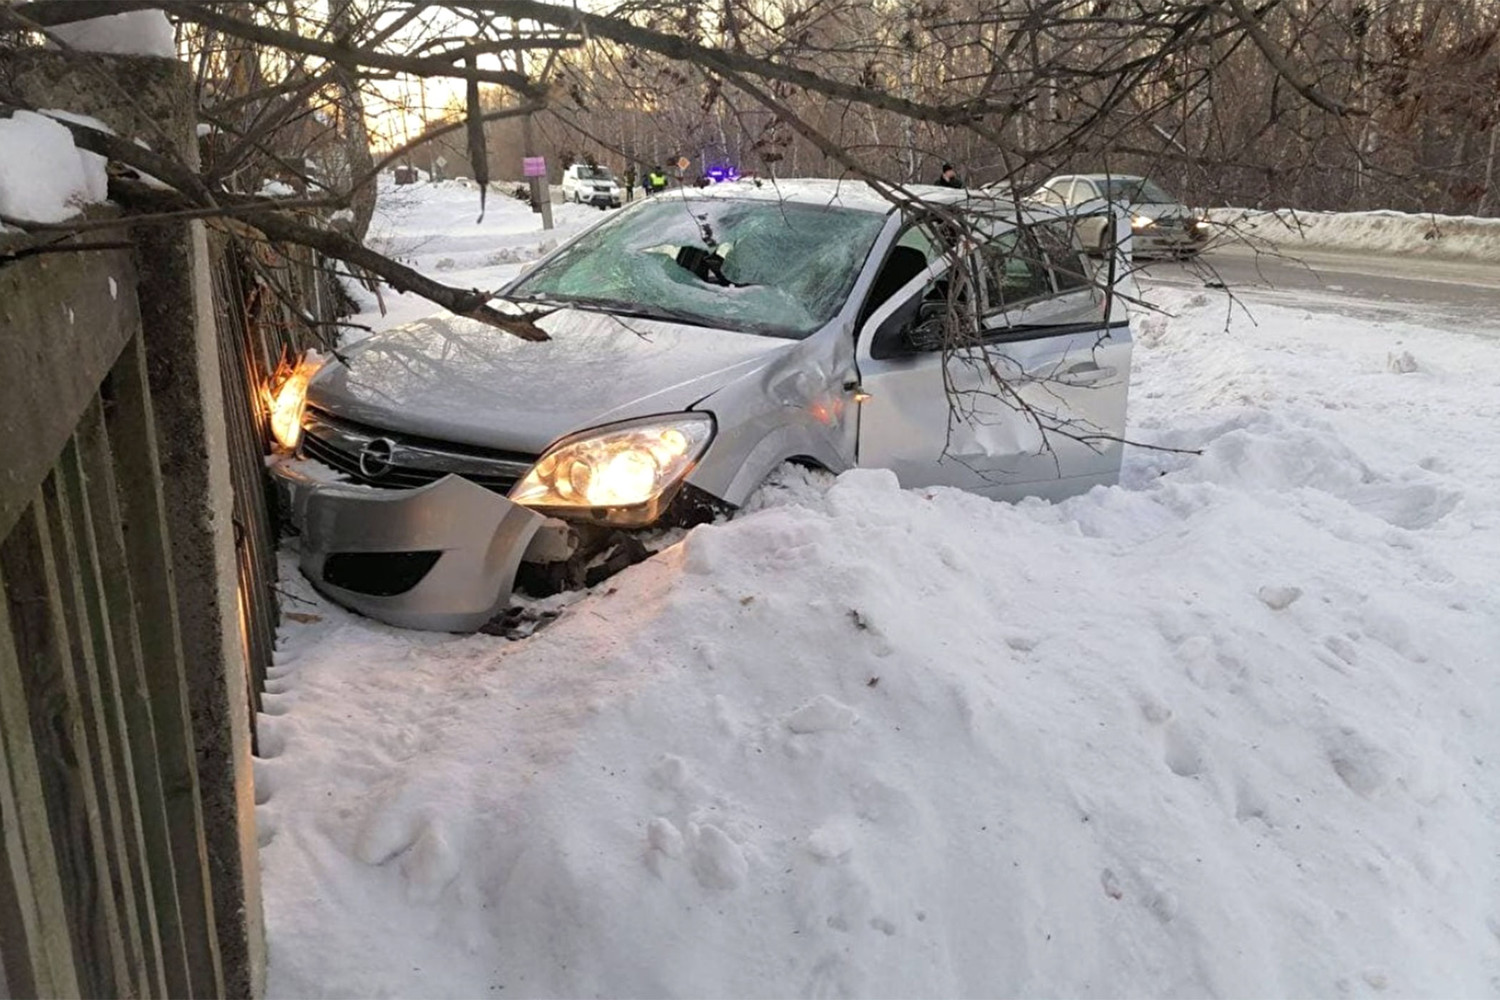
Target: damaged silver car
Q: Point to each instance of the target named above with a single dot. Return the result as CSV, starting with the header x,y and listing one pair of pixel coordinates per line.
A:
x,y
696,343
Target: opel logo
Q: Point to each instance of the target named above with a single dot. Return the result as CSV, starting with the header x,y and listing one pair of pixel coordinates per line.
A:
x,y
375,458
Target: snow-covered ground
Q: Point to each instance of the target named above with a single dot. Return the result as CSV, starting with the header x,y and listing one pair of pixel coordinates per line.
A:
x,y
1443,237
1227,729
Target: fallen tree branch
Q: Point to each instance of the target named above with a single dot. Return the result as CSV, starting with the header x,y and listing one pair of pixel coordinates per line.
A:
x,y
277,226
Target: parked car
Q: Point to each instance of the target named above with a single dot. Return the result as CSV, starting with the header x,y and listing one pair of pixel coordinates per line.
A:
x,y
696,344
591,186
1160,224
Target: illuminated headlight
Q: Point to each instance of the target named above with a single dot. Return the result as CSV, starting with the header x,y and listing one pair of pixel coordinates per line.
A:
x,y
286,399
623,474
1141,221
1201,224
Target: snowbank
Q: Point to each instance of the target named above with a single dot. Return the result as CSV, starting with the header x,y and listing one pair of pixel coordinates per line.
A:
x,y
1227,729
43,176
1459,237
134,33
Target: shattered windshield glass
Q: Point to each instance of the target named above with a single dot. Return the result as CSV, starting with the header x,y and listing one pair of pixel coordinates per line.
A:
x,y
768,267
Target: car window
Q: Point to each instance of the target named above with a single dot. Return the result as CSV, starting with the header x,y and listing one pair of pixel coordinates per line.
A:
x,y
1139,190
1082,191
1014,270
1050,196
761,266
1059,244
919,237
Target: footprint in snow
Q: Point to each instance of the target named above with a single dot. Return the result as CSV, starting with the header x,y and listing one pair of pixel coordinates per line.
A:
x,y
718,862
662,834
431,864
831,843
1183,756
1278,598
1362,765
822,715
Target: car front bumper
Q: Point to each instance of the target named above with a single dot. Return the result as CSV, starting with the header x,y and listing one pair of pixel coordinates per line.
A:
x,y
1155,239
441,557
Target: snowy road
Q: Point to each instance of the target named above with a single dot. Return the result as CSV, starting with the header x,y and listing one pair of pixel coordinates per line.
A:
x,y
1376,286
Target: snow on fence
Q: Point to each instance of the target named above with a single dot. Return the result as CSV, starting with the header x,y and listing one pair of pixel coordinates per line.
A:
x,y
1451,237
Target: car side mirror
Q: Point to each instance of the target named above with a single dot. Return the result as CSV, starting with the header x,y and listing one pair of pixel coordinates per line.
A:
x,y
928,329
915,328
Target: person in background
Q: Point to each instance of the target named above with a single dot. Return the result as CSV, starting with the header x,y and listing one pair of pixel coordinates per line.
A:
x,y
949,177
655,180
630,182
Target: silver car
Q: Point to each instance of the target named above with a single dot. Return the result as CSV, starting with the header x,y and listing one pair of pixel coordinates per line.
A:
x,y
698,342
1160,224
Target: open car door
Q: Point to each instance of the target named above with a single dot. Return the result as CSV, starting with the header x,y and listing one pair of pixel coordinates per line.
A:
x,y
1006,374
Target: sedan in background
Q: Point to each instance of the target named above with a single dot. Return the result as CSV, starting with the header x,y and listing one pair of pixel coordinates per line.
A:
x,y
1159,223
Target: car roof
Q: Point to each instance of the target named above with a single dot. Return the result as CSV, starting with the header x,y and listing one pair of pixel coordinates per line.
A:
x,y
1097,177
849,194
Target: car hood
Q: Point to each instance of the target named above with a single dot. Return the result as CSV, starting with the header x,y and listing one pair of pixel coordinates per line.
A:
x,y
460,380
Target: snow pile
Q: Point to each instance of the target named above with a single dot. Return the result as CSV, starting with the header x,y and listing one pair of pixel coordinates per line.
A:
x,y
432,227
1464,237
1227,729
134,33
43,176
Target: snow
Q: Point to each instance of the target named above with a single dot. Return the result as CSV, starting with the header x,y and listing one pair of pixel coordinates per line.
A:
x,y
1224,729
134,33
43,176
277,189
1453,237
431,226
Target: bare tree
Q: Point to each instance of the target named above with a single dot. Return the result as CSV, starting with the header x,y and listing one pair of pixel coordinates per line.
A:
x,y
1335,102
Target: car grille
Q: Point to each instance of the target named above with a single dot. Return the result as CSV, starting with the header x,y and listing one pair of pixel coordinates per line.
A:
x,y
402,461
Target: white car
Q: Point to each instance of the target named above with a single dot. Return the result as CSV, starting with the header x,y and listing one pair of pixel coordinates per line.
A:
x,y
694,345
591,186
1159,223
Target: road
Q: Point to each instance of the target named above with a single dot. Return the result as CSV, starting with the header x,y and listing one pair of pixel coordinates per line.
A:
x,y
1378,286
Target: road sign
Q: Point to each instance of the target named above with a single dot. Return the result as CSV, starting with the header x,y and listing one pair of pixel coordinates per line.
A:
x,y
441,161
534,166
683,162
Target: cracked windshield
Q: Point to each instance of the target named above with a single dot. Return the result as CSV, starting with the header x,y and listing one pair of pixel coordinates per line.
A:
x,y
760,266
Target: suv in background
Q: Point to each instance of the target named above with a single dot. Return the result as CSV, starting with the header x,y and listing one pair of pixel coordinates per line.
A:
x,y
1159,223
591,186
